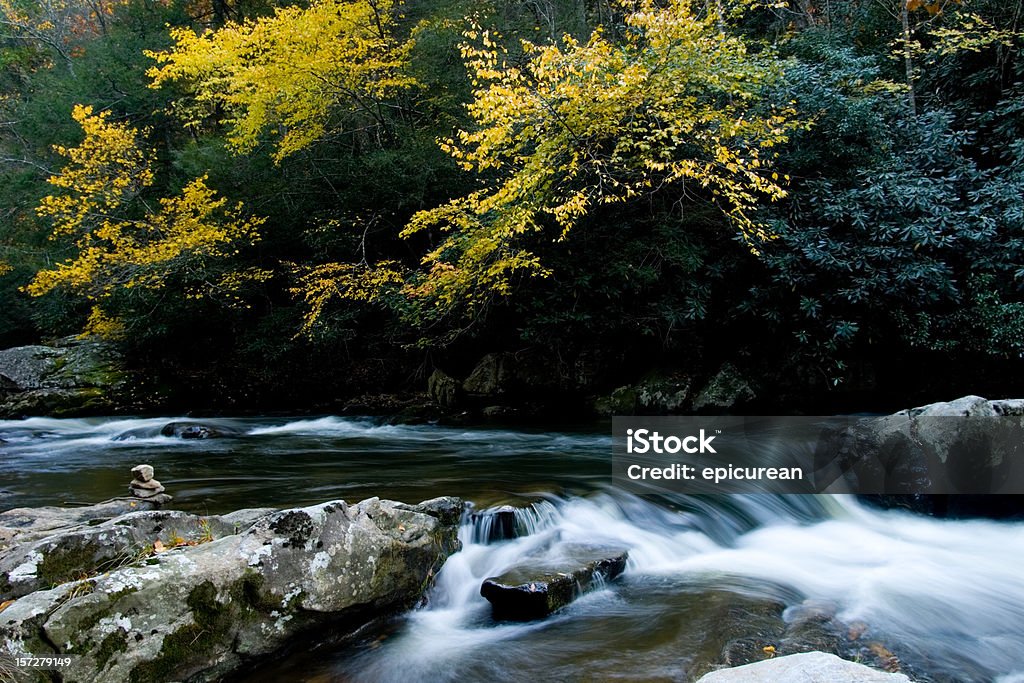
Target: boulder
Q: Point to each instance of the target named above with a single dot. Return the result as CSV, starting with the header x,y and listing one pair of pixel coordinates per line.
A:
x,y
524,376
22,525
46,557
494,375
727,389
72,377
199,612
534,590
803,668
622,401
970,446
196,430
443,389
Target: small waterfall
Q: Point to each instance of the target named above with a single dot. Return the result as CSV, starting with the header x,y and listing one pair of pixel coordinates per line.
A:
x,y
507,522
948,594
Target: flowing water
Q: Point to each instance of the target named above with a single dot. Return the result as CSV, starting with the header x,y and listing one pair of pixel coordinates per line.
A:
x,y
947,597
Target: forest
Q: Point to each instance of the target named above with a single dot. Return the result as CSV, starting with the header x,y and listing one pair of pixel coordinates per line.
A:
x,y
276,205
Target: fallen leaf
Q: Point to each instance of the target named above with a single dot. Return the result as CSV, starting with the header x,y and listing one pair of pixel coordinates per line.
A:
x,y
5,604
857,629
888,660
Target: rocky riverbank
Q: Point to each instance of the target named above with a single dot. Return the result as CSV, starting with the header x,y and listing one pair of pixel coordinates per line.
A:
x,y
68,378
153,595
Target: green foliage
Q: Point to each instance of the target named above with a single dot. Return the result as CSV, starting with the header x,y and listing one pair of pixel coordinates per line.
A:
x,y
680,181
924,244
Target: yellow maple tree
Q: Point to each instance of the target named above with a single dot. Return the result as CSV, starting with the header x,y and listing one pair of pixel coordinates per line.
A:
x,y
122,242
300,75
676,103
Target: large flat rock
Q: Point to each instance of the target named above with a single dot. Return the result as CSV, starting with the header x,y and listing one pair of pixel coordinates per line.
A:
x,y
199,612
808,667
535,589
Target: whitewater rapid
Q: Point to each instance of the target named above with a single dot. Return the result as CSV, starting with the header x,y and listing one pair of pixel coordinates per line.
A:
x,y
948,596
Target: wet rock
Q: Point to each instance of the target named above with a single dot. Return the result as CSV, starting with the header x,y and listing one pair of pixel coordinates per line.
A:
x,y
535,590
803,668
196,430
496,524
199,612
499,412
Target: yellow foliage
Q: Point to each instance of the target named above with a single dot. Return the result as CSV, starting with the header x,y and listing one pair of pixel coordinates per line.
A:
x,y
573,127
103,325
320,285
298,75
104,173
122,242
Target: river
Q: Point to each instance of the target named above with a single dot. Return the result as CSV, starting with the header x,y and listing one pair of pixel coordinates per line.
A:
x,y
947,597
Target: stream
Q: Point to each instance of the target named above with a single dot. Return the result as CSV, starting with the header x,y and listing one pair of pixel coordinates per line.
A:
x,y
946,597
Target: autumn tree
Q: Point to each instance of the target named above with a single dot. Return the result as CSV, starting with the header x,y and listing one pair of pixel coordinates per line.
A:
x,y
125,243
299,76
676,106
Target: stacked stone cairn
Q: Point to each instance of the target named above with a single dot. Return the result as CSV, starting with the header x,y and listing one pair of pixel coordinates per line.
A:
x,y
143,484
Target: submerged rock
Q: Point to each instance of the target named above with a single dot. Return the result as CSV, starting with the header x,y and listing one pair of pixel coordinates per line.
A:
x,y
198,612
803,668
535,590
196,430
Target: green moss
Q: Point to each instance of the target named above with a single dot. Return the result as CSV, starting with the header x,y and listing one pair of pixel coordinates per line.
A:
x,y
248,594
112,644
211,626
63,564
90,621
